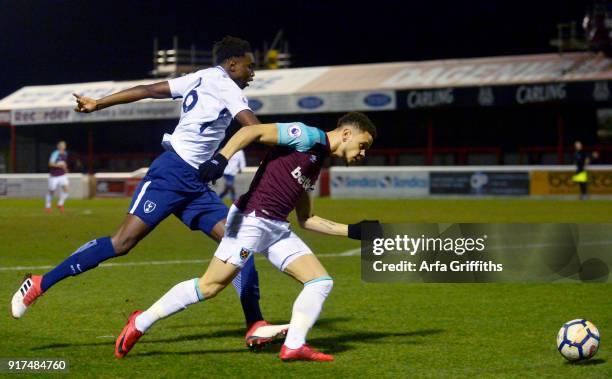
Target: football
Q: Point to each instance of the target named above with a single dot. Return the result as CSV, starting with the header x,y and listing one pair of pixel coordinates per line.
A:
x,y
578,340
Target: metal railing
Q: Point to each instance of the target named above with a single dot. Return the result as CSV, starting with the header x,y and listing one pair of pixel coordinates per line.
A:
x,y
176,61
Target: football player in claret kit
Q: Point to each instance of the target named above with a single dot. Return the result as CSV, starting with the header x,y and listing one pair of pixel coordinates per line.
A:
x,y
211,98
58,168
257,223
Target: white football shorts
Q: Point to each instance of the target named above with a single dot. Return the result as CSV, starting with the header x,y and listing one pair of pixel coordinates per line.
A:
x,y
56,181
248,234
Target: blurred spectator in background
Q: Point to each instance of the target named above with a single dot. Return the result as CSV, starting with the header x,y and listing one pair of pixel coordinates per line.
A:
x,y
234,166
58,168
582,159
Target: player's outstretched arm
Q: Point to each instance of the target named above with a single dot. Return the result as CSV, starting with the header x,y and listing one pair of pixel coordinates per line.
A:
x,y
309,221
262,133
213,168
160,90
318,224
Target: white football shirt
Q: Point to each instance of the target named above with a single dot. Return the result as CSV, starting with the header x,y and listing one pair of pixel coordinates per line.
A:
x,y
211,99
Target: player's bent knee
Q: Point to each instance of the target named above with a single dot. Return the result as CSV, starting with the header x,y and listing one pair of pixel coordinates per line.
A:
x,y
123,245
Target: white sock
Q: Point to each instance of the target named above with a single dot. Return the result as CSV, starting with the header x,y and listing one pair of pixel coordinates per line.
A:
x,y
62,197
48,199
177,299
306,310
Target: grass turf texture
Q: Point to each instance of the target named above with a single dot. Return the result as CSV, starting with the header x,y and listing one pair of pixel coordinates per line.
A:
x,y
375,330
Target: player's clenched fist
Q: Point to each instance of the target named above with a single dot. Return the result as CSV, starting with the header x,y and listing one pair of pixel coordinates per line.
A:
x,y
85,104
213,168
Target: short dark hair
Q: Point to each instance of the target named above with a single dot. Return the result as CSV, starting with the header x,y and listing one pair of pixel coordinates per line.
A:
x,y
360,121
230,47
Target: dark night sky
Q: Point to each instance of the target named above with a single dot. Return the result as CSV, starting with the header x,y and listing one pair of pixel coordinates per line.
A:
x,y
52,42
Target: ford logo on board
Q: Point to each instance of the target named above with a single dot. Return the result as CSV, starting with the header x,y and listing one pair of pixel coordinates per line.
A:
x,y
310,102
377,100
255,105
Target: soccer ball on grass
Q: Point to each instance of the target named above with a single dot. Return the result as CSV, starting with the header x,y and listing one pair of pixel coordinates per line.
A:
x,y
578,340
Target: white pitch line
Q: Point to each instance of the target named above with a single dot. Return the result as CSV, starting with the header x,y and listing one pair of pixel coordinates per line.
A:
x,y
348,253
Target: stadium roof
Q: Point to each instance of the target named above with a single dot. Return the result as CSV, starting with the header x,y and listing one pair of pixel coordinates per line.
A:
x,y
385,86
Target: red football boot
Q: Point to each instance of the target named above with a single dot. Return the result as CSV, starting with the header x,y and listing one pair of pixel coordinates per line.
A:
x,y
128,337
303,353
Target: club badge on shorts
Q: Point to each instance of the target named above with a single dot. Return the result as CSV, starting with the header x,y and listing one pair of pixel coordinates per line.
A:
x,y
244,253
149,206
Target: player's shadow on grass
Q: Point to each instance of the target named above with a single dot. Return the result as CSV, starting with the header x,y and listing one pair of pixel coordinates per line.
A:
x,y
190,352
71,345
332,344
239,333
590,362
343,342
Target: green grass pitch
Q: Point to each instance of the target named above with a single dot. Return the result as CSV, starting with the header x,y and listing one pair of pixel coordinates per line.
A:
x,y
374,330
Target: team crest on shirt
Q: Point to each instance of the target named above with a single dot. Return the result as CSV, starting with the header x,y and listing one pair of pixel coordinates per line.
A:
x,y
313,158
294,131
244,253
149,206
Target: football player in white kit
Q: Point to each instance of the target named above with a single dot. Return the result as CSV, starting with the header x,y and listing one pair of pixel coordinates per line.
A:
x,y
58,168
211,98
